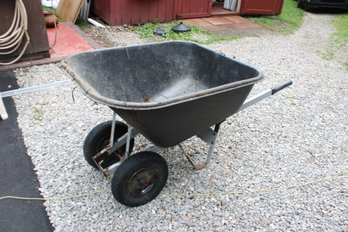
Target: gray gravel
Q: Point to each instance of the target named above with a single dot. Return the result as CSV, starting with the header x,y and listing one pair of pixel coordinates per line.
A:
x,y
281,165
113,36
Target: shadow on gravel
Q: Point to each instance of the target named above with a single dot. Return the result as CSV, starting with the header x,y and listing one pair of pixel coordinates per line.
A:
x,y
326,11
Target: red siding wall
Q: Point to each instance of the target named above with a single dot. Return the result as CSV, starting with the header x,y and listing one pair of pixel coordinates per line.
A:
x,y
261,7
193,8
119,12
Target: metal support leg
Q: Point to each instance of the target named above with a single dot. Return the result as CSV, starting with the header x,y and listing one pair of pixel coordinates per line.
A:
x,y
112,136
209,136
129,135
212,145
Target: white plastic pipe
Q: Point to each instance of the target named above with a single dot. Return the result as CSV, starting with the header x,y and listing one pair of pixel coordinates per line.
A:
x,y
3,112
95,23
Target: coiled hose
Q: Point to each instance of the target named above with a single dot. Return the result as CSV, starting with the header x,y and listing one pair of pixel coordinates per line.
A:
x,y
11,40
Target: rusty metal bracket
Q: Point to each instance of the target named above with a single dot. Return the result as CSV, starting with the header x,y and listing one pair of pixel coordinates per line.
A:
x,y
99,157
195,166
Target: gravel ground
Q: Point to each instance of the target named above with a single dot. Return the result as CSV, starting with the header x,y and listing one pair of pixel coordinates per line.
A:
x,y
113,36
281,165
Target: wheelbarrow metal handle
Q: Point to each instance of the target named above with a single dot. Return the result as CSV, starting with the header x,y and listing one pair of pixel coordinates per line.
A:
x,y
281,86
263,95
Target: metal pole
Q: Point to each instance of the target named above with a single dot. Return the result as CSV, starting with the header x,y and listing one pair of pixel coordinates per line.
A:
x,y
33,89
129,133
212,144
112,136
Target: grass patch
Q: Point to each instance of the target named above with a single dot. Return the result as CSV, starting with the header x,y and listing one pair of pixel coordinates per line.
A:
x,y
196,34
287,22
81,23
327,55
50,9
341,34
346,65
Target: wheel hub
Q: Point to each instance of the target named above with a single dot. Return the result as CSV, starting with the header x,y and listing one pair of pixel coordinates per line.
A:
x,y
142,182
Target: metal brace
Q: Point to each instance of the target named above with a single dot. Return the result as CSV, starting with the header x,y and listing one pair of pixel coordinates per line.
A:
x,y
209,136
113,146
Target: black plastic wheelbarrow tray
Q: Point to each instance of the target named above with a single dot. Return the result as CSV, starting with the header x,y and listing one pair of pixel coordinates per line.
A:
x,y
168,92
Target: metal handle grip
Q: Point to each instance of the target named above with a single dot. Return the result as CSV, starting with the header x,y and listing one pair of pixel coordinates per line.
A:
x,y
281,86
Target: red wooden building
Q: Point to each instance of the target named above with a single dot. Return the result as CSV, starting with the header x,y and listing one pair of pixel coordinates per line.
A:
x,y
120,12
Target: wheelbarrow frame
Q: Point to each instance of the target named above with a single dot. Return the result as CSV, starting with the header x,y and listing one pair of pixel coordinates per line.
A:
x,y
209,136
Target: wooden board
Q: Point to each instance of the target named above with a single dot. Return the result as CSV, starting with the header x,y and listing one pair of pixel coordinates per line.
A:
x,y
68,10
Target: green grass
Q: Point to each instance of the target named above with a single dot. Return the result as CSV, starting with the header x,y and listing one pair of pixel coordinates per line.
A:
x,y
287,22
146,31
51,9
81,23
341,34
45,8
345,64
328,54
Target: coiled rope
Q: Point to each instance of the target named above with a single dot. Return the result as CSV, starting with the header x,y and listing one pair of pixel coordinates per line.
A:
x,y
11,40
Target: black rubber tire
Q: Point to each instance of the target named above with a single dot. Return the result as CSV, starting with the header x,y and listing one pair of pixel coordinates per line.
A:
x,y
139,179
99,137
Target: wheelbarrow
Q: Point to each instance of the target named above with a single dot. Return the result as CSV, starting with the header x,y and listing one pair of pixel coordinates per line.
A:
x,y
167,92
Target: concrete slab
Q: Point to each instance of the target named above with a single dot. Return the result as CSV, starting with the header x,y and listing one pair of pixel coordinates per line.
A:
x,y
236,19
218,21
227,25
198,22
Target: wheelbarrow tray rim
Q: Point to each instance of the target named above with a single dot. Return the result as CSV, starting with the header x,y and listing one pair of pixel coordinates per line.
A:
x,y
113,103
